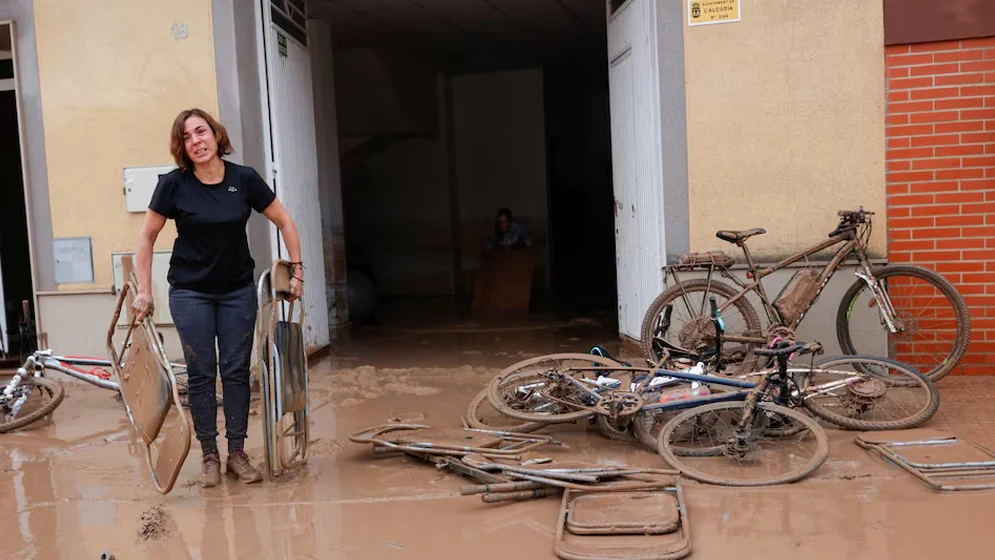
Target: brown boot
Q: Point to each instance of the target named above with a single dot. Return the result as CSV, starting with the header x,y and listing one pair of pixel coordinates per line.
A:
x,y
210,470
238,465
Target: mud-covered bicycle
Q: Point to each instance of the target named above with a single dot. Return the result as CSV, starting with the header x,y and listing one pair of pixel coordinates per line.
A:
x,y
29,395
853,392
857,392
923,317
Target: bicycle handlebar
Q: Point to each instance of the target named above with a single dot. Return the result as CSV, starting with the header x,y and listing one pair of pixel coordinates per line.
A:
x,y
854,213
850,219
857,216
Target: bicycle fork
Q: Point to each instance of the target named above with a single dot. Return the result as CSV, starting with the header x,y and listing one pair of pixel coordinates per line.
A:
x,y
738,444
11,389
885,308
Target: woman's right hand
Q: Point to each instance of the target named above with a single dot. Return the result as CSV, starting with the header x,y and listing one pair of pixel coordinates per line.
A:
x,y
142,306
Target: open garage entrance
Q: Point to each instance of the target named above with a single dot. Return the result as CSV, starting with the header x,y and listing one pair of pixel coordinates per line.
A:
x,y
449,110
16,289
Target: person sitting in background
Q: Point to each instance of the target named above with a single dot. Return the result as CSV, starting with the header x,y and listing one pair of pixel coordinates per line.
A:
x,y
509,234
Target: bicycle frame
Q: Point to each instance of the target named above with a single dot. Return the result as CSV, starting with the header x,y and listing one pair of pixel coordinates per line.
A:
x,y
64,364
745,388
852,244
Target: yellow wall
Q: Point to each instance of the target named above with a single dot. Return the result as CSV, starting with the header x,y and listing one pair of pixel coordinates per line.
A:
x,y
113,77
785,117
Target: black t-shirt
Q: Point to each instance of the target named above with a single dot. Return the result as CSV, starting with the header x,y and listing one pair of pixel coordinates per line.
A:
x,y
211,251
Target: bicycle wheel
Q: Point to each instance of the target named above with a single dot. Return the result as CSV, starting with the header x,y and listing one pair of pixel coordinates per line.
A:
x,y
481,415
524,392
868,393
620,430
937,327
647,423
55,394
691,326
756,457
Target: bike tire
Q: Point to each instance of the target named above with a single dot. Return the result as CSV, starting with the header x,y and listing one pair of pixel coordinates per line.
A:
x,y
510,374
818,458
614,433
648,438
915,379
674,293
645,436
963,336
473,418
58,393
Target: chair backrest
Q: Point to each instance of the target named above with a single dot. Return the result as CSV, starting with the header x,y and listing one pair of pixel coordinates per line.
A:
x,y
291,361
148,389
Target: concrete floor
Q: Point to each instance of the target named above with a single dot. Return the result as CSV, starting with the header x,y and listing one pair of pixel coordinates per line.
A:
x,y
77,486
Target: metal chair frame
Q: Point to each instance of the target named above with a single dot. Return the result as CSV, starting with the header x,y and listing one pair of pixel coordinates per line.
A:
x,y
148,389
285,394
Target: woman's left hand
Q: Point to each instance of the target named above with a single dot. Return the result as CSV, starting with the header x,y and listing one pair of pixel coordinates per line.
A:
x,y
296,288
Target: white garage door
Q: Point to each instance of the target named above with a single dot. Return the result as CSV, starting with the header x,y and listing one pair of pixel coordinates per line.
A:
x,y
294,173
636,161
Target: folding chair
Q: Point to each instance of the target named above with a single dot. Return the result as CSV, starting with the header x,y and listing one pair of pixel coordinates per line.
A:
x,y
611,525
938,459
280,360
148,389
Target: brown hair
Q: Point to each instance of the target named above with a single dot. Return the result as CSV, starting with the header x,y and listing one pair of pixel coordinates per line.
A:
x,y
177,145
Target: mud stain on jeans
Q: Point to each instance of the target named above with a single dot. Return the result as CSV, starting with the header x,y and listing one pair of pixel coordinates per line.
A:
x,y
191,355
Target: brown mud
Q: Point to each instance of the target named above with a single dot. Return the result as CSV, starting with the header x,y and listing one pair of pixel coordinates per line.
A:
x,y
156,524
77,486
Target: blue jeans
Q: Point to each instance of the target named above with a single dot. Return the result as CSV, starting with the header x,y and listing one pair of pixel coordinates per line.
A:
x,y
229,318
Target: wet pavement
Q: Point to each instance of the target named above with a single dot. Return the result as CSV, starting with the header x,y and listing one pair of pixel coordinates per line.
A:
x,y
78,486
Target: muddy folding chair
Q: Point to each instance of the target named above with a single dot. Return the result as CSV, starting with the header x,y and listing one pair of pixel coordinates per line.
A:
x,y
148,389
417,438
650,524
937,458
280,360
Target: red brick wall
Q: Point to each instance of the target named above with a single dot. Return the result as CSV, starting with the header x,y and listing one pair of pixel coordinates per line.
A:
x,y
941,173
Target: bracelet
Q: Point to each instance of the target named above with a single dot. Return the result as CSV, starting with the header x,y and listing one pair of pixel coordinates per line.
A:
x,y
301,280
301,264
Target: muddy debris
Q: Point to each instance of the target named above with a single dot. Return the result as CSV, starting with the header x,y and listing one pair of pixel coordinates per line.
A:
x,y
843,477
406,417
355,386
322,446
156,524
854,476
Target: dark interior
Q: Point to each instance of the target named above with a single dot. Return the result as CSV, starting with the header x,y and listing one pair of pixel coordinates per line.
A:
x,y
14,253
408,232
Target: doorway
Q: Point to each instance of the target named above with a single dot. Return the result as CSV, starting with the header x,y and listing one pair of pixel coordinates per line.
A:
x,y
440,129
16,289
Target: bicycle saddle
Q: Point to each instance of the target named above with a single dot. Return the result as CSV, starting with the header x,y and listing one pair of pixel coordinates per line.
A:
x,y
600,350
737,236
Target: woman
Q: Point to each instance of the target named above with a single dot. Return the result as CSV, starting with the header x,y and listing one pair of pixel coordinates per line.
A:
x,y
211,287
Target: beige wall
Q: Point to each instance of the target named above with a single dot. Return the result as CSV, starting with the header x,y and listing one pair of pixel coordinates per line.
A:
x,y
785,115
113,77
76,325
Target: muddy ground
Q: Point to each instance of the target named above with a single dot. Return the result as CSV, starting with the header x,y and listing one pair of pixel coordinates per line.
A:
x,y
77,486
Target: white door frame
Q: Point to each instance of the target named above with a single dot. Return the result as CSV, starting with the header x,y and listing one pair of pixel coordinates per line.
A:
x,y
264,20
274,139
